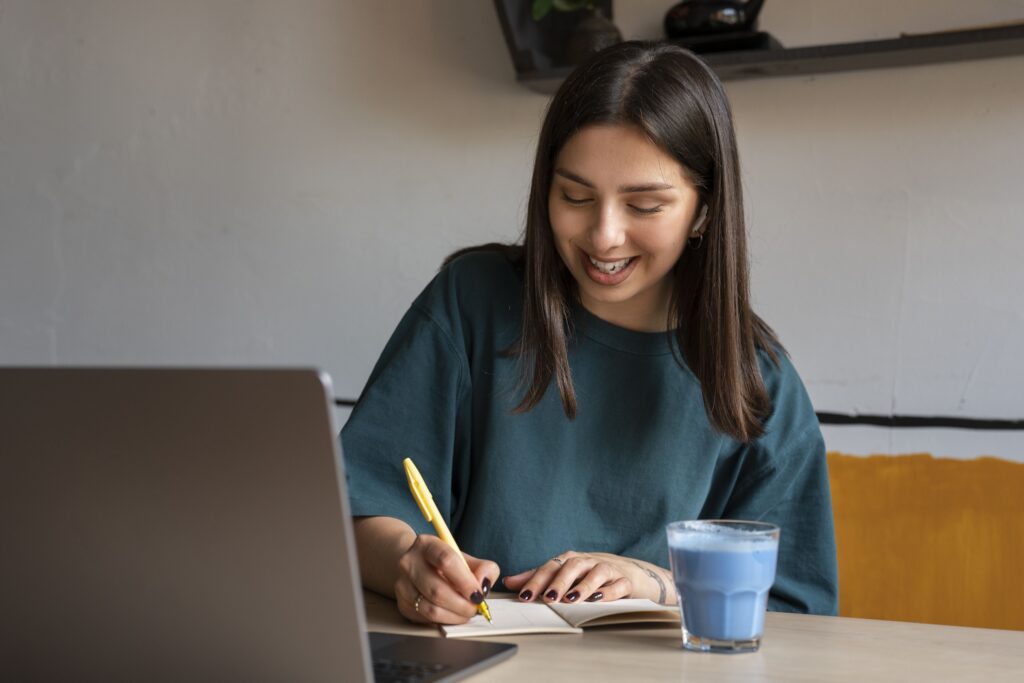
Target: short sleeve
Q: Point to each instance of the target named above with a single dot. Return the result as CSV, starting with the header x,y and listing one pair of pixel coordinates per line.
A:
x,y
791,489
412,407
784,480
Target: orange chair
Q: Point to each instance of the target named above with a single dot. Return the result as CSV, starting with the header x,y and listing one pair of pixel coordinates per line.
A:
x,y
930,540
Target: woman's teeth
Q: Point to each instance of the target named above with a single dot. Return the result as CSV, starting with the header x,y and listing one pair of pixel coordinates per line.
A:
x,y
610,267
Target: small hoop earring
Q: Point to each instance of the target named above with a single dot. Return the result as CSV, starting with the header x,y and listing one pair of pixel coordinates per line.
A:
x,y
698,225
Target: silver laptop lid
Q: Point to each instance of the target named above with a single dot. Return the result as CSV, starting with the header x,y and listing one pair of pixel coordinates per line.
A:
x,y
174,524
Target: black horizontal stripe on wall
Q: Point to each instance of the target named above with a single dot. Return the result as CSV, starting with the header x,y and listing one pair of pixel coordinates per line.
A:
x,y
916,421
909,421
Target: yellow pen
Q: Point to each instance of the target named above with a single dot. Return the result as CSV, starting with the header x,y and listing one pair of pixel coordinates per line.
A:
x,y
426,502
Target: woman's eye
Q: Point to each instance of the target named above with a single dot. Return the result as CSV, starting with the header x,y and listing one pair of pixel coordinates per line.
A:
x,y
635,209
573,200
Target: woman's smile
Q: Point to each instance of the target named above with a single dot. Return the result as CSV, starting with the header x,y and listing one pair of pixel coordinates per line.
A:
x,y
607,272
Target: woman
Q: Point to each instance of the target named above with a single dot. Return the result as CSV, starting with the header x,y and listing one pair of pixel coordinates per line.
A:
x,y
566,398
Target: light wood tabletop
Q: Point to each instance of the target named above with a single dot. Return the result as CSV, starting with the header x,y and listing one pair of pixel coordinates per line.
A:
x,y
796,647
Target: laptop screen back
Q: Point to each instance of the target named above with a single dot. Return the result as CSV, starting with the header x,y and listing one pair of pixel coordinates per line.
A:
x,y
171,524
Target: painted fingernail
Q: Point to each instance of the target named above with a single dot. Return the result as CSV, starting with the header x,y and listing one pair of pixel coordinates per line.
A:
x,y
595,597
487,585
476,598
573,597
526,596
551,594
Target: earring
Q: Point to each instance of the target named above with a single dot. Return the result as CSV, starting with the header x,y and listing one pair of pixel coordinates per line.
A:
x,y
697,231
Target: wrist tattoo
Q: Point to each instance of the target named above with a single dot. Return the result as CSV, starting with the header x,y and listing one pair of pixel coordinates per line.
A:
x,y
662,592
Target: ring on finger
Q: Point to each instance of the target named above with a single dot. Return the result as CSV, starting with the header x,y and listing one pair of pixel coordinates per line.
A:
x,y
416,604
559,560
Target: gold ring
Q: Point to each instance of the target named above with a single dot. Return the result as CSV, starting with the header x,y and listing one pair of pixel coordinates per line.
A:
x,y
416,605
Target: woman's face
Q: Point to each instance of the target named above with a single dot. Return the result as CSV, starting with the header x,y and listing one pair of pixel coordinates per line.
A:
x,y
621,210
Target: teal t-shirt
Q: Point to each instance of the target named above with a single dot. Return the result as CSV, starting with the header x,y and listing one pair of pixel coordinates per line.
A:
x,y
519,489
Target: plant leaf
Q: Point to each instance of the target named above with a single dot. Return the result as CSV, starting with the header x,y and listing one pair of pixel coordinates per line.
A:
x,y
541,9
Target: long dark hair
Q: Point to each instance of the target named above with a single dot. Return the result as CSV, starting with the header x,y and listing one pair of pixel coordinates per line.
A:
x,y
678,102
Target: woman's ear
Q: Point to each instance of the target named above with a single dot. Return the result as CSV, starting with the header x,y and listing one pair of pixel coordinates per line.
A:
x,y
698,225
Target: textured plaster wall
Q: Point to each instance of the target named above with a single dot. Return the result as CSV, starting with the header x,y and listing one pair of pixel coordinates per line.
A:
x,y
263,182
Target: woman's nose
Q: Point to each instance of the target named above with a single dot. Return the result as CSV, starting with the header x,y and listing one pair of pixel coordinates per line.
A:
x,y
608,231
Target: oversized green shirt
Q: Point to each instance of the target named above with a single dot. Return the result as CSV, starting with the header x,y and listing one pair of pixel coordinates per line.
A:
x,y
521,488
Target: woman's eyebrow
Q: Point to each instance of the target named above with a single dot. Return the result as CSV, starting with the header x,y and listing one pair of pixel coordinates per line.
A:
x,y
623,189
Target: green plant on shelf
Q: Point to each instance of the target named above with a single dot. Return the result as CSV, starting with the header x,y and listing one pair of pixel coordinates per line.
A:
x,y
542,7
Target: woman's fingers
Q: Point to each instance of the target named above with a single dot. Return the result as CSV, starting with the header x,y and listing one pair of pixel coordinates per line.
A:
x,y
591,583
621,587
415,606
446,561
572,577
516,581
535,583
434,573
485,571
571,572
553,579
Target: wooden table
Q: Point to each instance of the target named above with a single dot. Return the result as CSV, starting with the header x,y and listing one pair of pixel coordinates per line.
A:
x,y
796,647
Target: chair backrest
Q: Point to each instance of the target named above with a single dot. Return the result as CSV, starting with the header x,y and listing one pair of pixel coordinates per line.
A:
x,y
930,540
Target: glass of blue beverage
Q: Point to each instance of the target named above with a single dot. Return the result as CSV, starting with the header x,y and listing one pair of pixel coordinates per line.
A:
x,y
723,570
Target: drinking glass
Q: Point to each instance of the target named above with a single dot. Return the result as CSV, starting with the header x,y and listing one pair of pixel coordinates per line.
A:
x,y
723,570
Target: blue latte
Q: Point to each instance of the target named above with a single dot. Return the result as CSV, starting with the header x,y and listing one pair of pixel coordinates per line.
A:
x,y
723,571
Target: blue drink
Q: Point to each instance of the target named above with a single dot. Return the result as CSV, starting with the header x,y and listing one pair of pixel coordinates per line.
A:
x,y
723,571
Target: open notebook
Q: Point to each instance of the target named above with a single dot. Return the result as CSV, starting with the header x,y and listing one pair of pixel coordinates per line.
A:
x,y
511,617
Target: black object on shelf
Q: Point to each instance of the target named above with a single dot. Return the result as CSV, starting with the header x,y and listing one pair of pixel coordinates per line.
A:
x,y
704,17
729,42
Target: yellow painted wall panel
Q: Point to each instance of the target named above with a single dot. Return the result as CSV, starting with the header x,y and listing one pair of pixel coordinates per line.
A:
x,y
929,539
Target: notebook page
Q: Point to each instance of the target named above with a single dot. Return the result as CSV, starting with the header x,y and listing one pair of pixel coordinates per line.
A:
x,y
510,616
628,610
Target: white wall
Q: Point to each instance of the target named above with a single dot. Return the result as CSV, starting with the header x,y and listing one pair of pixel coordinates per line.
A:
x,y
271,183
245,182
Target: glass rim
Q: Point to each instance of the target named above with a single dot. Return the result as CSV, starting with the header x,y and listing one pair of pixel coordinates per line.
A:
x,y
730,527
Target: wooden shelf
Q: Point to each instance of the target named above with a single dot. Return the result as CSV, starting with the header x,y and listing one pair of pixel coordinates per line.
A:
x,y
907,50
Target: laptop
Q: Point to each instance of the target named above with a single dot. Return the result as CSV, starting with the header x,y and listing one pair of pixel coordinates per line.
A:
x,y
187,524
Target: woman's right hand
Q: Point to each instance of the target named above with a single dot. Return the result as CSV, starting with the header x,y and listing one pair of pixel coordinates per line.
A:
x,y
434,586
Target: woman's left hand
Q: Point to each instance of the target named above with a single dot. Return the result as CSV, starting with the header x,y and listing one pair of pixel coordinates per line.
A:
x,y
573,577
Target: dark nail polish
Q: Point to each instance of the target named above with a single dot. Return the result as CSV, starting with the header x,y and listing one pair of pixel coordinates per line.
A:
x,y
487,585
525,596
573,597
595,597
551,594
476,598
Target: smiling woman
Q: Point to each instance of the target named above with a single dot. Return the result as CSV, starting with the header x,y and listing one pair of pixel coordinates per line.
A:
x,y
620,219
567,397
